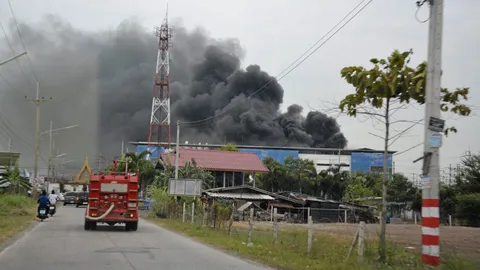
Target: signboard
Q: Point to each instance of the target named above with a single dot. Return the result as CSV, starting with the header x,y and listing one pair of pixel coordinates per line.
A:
x,y
185,187
426,182
436,124
435,140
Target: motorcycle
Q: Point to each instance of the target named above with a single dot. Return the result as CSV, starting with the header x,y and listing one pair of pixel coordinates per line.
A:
x,y
52,209
42,214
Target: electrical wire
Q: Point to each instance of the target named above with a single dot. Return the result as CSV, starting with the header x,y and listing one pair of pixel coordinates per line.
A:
x,y
407,150
294,64
419,6
13,54
21,39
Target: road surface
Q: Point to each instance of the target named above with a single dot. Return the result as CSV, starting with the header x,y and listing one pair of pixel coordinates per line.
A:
x,y
61,243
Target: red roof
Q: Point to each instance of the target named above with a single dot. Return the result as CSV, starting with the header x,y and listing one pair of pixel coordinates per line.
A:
x,y
216,160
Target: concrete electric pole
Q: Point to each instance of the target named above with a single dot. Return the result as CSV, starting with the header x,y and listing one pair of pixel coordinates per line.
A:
x,y
37,100
433,135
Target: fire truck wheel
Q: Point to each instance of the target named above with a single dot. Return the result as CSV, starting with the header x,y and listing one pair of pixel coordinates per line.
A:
x,y
131,226
93,225
86,225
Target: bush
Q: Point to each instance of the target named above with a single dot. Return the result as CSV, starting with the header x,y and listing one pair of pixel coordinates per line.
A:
x,y
15,205
468,209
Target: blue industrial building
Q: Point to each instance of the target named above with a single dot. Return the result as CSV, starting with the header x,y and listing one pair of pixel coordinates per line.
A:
x,y
277,155
369,162
354,160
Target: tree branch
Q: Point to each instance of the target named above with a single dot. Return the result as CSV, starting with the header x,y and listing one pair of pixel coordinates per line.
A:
x,y
378,136
397,136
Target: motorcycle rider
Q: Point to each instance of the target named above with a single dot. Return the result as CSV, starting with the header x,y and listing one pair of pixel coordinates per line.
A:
x,y
43,202
53,197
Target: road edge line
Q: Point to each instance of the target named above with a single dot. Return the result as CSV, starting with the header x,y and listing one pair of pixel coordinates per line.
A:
x,y
255,263
17,237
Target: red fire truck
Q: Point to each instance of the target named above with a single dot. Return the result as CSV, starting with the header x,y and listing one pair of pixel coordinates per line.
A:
x,y
113,199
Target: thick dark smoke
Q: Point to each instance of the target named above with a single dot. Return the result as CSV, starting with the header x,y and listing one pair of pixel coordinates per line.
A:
x,y
104,82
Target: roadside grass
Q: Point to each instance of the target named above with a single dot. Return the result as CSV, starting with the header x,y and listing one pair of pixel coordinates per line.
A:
x,y
329,251
16,214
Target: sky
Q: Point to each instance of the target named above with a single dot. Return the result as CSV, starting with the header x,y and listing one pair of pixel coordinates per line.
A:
x,y
275,33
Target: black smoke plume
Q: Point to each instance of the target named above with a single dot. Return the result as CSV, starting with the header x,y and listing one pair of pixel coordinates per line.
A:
x,y
103,81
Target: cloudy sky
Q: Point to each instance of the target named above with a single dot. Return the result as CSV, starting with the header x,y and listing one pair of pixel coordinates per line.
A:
x,y
275,33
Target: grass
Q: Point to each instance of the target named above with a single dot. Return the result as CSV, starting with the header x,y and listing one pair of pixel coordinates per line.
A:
x,y
329,251
17,212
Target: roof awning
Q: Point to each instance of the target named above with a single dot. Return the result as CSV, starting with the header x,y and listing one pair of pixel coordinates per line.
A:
x,y
240,196
281,205
8,158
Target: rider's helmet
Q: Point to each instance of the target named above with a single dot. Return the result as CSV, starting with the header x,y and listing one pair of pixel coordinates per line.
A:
x,y
53,191
44,193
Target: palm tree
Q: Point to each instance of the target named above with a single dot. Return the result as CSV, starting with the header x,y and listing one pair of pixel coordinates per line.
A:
x,y
13,177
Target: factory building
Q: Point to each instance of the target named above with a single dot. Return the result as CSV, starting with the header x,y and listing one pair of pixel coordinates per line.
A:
x,y
352,160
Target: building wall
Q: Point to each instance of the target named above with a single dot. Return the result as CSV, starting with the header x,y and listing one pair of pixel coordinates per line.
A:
x,y
156,151
323,162
277,155
366,162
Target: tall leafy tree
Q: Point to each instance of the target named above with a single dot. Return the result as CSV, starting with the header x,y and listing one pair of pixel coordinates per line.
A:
x,y
389,83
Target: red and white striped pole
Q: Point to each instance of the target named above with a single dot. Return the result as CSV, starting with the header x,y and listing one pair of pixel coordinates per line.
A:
x,y
433,128
431,232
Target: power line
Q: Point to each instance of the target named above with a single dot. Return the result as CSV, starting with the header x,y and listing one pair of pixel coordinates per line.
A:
x,y
295,64
409,149
13,53
21,39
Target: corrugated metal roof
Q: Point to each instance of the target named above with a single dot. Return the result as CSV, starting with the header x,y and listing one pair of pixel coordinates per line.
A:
x,y
243,196
215,160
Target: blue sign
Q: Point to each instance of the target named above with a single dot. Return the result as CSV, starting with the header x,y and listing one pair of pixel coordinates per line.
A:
x,y
277,155
155,150
366,162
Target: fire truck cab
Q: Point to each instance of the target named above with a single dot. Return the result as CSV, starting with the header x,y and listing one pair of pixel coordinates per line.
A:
x,y
113,199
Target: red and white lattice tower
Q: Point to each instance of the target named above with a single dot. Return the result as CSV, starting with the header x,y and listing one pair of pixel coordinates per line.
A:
x,y
160,116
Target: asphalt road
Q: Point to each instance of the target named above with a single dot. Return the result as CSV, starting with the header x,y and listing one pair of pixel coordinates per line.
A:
x,y
61,243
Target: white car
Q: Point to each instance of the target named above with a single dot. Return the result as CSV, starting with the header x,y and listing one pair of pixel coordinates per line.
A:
x,y
61,197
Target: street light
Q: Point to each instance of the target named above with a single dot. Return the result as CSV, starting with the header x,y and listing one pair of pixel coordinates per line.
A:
x,y
50,131
12,58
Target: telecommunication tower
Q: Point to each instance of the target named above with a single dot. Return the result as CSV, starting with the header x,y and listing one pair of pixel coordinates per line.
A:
x,y
159,134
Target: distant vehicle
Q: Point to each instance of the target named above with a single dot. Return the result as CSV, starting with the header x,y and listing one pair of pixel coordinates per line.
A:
x,y
61,197
113,199
82,199
70,198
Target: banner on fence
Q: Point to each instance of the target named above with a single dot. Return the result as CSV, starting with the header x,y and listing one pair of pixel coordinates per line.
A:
x,y
185,187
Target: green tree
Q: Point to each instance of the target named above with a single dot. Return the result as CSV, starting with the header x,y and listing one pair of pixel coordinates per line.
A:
x,y
400,189
275,180
301,172
189,171
357,188
229,147
468,180
392,82
13,177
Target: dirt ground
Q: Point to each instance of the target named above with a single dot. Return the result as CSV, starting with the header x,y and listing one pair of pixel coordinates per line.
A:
x,y
463,240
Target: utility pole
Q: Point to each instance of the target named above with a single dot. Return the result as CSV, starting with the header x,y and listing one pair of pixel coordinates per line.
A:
x,y
432,141
37,100
49,153
177,156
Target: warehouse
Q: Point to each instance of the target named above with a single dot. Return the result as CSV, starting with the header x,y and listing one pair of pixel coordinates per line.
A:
x,y
353,160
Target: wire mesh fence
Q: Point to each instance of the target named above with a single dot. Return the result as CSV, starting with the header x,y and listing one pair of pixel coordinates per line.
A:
x,y
334,232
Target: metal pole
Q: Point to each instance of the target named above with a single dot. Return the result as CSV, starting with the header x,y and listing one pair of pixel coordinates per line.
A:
x,y
10,145
12,58
49,174
37,143
177,156
430,198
